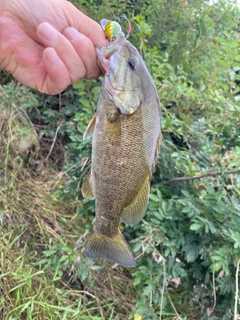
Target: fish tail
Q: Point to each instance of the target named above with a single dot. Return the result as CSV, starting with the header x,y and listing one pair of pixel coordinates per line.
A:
x,y
111,248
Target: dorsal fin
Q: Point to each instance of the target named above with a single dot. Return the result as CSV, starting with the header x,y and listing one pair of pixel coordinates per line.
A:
x,y
159,141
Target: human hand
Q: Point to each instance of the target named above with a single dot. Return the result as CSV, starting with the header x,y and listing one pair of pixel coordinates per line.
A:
x,y
48,45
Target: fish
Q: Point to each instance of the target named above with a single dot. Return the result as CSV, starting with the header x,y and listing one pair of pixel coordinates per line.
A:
x,y
126,138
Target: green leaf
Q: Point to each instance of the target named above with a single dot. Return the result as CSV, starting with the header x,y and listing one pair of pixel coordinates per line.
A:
x,y
153,197
195,227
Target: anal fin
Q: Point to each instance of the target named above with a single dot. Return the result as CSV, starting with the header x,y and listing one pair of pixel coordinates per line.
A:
x,y
89,131
134,212
87,187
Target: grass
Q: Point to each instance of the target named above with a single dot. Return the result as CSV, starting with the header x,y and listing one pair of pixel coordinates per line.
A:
x,y
41,274
28,293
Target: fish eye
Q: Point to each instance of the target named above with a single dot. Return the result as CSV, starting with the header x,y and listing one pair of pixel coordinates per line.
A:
x,y
131,63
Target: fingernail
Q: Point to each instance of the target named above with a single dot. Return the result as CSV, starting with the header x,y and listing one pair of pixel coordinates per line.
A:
x,y
71,33
47,32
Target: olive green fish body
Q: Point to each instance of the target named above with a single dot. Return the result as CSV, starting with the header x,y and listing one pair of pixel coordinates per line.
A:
x,y
125,143
119,165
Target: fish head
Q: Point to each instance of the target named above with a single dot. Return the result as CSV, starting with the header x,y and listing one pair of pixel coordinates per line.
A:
x,y
121,61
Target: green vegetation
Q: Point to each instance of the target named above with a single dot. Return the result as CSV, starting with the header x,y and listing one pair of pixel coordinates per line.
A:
x,y
188,245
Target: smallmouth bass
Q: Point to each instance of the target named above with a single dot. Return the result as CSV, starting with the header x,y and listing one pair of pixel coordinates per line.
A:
x,y
126,140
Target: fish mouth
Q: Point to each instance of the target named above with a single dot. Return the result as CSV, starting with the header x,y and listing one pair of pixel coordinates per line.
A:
x,y
106,52
98,46
110,49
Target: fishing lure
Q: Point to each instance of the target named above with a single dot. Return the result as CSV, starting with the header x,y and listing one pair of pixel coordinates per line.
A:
x,y
112,29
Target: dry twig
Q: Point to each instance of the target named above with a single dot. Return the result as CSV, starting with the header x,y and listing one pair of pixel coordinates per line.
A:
x,y
54,140
206,174
214,295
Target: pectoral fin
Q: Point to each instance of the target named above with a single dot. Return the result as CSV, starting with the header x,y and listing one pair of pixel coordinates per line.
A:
x,y
134,212
89,131
87,187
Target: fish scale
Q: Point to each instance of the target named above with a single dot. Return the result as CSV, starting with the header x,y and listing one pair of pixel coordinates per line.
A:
x,y
125,143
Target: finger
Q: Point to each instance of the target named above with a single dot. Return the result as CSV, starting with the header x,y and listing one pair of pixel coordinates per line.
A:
x,y
57,78
81,22
50,37
85,49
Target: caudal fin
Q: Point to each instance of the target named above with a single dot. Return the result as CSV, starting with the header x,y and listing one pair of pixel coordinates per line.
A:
x,y
115,249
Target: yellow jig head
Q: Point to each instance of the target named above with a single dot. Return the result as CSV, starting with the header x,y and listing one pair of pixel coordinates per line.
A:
x,y
112,30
